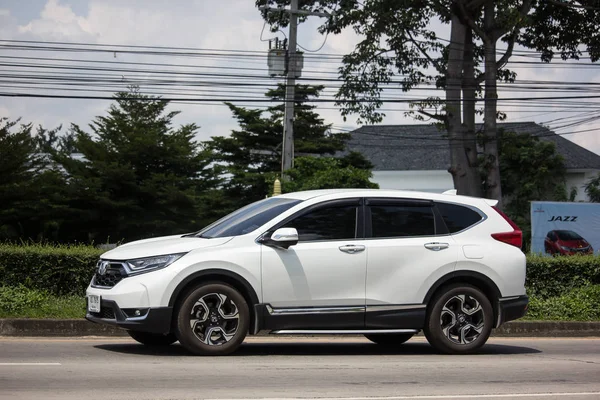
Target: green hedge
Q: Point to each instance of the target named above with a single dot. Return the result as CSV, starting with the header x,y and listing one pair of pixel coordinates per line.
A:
x,y
63,270
554,276
59,270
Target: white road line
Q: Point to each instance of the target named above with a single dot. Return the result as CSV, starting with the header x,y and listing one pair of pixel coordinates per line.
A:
x,y
433,397
28,364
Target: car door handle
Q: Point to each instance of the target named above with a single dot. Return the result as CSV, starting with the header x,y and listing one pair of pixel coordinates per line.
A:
x,y
352,248
436,246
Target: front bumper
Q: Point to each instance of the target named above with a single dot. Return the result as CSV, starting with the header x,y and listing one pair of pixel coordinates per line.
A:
x,y
152,320
513,308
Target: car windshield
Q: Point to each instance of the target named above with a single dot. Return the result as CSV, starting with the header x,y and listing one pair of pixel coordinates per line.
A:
x,y
247,219
568,235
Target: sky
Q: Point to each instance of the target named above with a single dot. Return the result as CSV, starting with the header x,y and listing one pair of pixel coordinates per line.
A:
x,y
226,25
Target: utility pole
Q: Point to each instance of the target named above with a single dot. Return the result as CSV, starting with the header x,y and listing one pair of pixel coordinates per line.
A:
x,y
293,70
287,153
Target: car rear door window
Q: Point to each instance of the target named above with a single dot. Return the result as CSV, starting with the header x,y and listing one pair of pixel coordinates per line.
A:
x,y
389,221
458,218
326,223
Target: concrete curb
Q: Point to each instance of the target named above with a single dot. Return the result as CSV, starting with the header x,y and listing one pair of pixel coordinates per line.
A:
x,y
56,327
81,327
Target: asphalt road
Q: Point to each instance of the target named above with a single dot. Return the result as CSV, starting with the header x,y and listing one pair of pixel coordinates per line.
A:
x,y
350,368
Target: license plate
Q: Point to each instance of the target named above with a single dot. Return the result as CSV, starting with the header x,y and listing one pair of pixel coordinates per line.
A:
x,y
94,303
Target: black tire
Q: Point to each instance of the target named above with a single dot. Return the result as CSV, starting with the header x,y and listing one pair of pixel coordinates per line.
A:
x,y
389,340
467,333
199,339
153,339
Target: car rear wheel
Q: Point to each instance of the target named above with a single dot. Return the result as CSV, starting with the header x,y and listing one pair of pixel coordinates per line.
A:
x,y
389,340
212,320
460,320
153,339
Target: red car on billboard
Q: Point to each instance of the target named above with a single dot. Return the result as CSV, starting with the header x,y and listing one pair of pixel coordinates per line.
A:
x,y
566,243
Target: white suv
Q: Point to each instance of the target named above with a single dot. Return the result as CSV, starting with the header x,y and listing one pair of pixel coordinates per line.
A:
x,y
385,264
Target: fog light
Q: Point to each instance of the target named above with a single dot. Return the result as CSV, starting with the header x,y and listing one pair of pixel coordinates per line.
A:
x,y
135,312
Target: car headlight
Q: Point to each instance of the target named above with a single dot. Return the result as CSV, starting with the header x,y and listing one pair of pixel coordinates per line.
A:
x,y
141,265
565,248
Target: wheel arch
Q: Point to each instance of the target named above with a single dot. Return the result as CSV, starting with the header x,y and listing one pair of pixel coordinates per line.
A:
x,y
479,280
216,275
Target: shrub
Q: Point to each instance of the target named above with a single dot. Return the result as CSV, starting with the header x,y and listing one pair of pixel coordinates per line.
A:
x,y
59,270
554,276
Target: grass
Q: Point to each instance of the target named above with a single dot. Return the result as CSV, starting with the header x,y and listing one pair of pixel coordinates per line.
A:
x,y
20,302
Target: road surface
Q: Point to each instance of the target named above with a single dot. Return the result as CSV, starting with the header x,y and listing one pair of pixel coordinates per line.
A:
x,y
350,368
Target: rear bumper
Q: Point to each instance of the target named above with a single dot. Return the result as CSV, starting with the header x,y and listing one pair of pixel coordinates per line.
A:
x,y
513,308
152,320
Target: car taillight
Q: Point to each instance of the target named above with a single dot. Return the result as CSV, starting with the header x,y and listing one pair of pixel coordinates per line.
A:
x,y
514,238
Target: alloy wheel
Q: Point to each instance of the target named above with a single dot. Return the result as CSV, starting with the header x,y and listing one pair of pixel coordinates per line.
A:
x,y
214,319
462,319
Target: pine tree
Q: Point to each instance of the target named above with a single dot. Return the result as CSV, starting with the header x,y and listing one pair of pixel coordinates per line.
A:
x,y
251,156
140,177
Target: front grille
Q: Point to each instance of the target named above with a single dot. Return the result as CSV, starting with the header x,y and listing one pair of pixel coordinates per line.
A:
x,y
581,250
113,274
106,312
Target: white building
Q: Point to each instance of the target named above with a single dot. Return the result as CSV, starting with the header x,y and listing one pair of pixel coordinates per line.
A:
x,y
417,157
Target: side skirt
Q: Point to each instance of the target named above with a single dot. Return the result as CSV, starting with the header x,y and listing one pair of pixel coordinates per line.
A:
x,y
342,331
354,319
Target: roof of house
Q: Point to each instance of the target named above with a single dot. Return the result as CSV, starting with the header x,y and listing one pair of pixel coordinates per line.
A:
x,y
425,147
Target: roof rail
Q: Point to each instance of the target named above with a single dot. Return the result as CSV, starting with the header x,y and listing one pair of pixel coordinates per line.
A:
x,y
451,192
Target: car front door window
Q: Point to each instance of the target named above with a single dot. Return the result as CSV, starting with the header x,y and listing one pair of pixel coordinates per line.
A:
x,y
328,223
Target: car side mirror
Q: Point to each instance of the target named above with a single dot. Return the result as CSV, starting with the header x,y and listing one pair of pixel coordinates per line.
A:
x,y
282,237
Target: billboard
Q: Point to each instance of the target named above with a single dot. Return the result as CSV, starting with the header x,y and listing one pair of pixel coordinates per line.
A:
x,y
565,228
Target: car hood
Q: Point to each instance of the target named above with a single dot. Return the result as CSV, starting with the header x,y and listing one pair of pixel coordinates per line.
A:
x,y
161,246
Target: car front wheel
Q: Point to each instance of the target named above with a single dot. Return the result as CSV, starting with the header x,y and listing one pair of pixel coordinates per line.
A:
x,y
213,320
460,320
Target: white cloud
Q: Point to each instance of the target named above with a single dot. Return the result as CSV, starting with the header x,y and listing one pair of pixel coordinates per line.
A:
x,y
57,22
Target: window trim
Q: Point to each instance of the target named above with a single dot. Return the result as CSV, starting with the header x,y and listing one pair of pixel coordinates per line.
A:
x,y
359,223
402,202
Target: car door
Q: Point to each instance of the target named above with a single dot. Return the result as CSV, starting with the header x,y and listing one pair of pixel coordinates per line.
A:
x,y
405,257
319,282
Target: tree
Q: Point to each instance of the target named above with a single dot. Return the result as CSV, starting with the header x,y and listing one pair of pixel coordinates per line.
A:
x,y
399,47
251,155
19,162
311,173
140,177
592,189
32,189
531,170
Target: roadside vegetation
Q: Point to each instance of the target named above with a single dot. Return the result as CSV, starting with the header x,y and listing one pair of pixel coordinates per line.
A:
x,y
49,281
21,302
580,304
